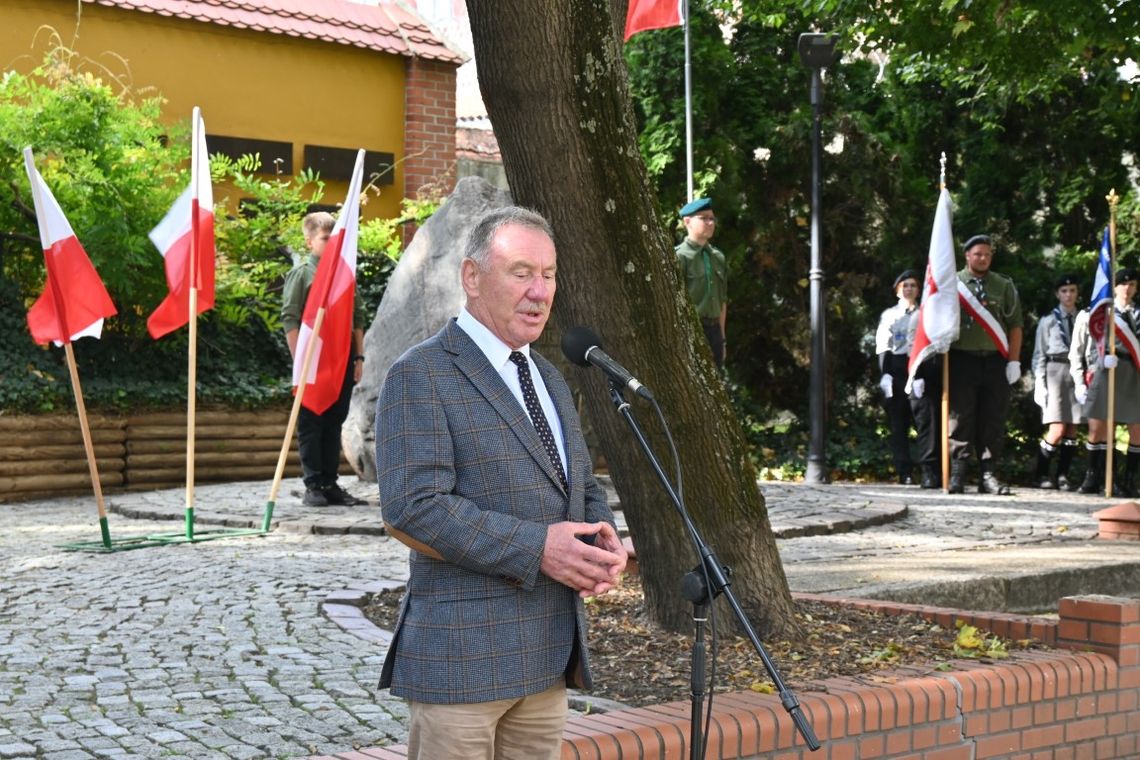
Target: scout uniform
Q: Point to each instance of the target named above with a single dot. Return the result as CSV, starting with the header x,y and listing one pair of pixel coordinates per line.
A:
x,y
1054,383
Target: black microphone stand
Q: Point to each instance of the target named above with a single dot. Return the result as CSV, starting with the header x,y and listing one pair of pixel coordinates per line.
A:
x,y
700,586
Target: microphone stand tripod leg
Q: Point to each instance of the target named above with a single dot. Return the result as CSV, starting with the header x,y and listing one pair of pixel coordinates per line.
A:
x,y
698,682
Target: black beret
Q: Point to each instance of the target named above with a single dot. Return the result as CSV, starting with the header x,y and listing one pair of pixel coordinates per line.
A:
x,y
977,240
1066,279
906,274
1126,274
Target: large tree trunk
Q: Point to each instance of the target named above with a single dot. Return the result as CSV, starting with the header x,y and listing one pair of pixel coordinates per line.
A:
x,y
555,86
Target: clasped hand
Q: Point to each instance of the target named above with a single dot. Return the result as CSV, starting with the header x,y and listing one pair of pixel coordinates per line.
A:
x,y
591,570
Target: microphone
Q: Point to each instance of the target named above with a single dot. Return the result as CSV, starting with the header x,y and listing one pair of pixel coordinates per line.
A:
x,y
583,347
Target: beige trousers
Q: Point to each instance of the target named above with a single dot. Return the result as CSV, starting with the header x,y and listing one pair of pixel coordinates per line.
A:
x,y
528,728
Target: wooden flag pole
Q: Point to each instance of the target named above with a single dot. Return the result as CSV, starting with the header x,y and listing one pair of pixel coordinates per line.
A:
x,y
191,402
944,416
1110,421
192,351
88,446
945,420
306,367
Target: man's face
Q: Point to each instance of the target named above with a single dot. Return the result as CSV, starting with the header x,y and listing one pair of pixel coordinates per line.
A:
x,y
317,242
700,226
978,258
908,290
1067,297
513,296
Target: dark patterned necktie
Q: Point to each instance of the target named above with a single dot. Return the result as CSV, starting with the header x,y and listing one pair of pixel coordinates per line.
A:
x,y
537,417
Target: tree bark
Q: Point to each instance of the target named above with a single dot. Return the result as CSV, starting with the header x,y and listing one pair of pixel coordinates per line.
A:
x,y
556,90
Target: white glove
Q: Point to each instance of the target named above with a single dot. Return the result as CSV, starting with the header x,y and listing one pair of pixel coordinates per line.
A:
x,y
918,387
1110,361
1082,393
1040,394
1012,372
887,385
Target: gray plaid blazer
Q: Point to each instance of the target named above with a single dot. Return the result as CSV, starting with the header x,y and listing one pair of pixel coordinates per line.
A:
x,y
461,469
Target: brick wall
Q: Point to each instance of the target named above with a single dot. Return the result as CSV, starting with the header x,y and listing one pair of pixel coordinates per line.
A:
x,y
429,127
1079,701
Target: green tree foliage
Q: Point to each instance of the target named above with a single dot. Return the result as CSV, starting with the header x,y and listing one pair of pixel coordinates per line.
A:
x,y
108,161
115,170
1027,103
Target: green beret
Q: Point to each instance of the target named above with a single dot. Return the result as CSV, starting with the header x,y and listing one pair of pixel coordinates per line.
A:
x,y
695,206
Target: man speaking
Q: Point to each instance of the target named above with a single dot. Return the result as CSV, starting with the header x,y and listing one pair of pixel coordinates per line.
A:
x,y
483,471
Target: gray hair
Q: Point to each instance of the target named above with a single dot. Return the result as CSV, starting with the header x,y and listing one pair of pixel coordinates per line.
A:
x,y
478,247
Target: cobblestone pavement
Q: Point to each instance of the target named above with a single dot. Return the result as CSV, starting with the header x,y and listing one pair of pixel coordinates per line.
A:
x,y
214,650
218,650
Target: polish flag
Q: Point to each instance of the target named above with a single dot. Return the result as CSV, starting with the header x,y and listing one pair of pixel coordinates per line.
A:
x,y
643,15
334,290
938,314
185,238
74,302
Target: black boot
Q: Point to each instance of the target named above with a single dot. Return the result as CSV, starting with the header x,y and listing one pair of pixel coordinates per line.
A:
x,y
1045,452
931,478
1064,462
1094,474
957,473
988,482
1128,485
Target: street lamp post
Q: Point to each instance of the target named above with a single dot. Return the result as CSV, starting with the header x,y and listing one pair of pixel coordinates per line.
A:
x,y
817,52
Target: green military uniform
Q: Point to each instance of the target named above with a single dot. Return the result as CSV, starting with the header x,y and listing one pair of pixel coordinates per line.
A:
x,y
999,295
706,278
296,291
979,389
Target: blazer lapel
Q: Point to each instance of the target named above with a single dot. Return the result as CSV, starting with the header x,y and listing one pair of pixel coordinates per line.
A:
x,y
473,363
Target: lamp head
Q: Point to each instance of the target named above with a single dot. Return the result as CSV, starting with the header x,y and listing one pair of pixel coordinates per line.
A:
x,y
817,51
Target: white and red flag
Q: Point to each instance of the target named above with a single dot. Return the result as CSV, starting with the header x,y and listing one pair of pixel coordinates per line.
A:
x,y
185,238
643,15
938,314
334,291
74,302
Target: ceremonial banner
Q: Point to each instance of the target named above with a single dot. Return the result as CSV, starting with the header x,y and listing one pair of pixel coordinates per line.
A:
x,y
938,314
334,291
74,302
190,218
643,15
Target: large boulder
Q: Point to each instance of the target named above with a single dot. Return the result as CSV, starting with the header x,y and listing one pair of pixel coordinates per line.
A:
x,y
422,294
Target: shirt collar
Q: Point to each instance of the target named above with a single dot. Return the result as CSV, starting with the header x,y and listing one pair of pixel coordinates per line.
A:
x,y
497,352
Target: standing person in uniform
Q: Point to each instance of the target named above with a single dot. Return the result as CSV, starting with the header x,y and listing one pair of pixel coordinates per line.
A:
x,y
1053,388
980,372
893,340
483,471
1089,362
318,435
706,273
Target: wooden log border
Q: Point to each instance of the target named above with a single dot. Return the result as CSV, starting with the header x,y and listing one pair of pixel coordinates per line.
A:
x,y
42,455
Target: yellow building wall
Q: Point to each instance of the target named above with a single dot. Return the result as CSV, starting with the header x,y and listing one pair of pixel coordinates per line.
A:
x,y
248,84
